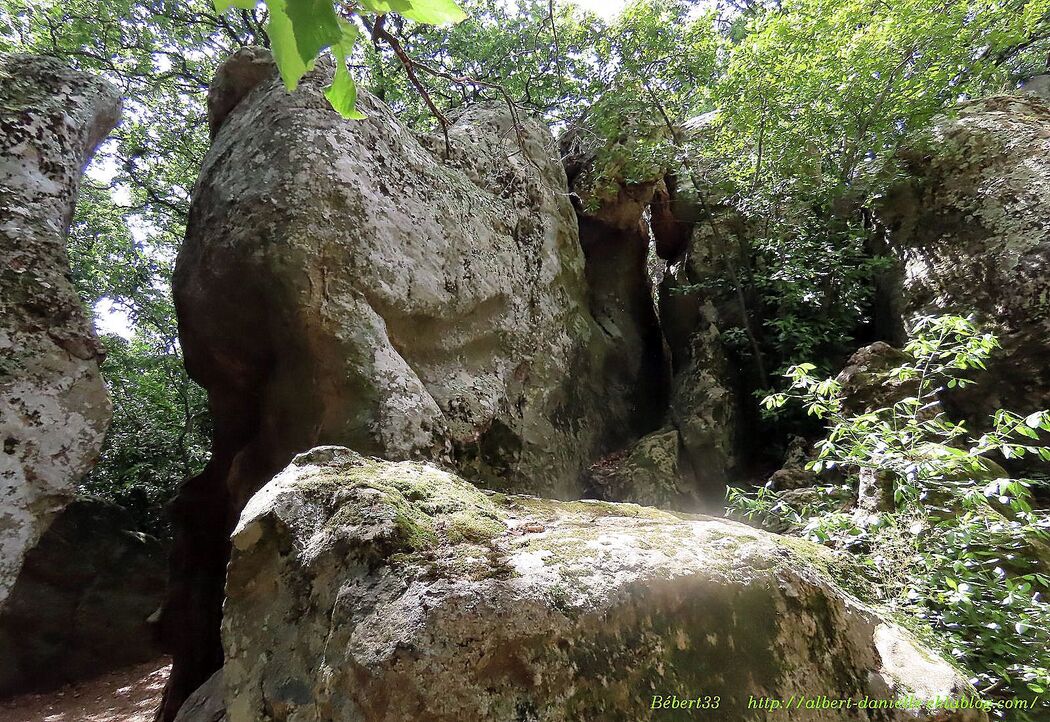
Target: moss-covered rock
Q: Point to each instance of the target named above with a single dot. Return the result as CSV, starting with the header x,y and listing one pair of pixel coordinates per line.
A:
x,y
968,225
354,594
653,471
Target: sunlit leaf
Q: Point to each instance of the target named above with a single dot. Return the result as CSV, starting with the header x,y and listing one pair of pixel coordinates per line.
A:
x,y
342,93
222,6
314,24
283,44
432,12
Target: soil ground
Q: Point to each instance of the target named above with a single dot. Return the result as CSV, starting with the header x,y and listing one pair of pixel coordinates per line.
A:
x,y
124,695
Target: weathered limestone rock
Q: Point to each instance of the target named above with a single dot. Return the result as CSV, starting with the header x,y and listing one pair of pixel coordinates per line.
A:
x,y
366,590
694,308
867,383
1038,86
54,409
970,227
83,600
619,224
653,471
616,241
703,410
345,282
793,473
685,464
405,304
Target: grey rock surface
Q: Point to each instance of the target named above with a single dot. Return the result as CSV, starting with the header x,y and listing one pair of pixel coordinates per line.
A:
x,y
206,704
704,405
969,226
367,590
653,471
403,303
54,408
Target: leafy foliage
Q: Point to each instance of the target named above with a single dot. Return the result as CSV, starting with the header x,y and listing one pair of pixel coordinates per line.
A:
x,y
160,433
960,547
299,30
810,106
538,54
790,115
915,439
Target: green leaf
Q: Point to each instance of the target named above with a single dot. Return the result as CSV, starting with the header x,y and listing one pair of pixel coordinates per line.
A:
x,y
315,25
1032,420
286,54
342,93
222,6
299,30
1026,431
431,12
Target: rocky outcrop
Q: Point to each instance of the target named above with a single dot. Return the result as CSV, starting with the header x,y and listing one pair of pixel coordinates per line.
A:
x,y
703,409
686,463
621,224
1038,86
653,471
366,590
866,381
83,600
54,408
407,304
346,282
969,227
793,473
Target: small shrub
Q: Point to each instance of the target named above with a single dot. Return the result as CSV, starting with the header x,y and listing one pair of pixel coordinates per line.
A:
x,y
957,549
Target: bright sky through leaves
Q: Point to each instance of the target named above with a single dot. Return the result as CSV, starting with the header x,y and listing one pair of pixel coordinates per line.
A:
x,y
605,8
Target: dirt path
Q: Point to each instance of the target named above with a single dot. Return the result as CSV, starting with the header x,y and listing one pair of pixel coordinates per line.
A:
x,y
125,695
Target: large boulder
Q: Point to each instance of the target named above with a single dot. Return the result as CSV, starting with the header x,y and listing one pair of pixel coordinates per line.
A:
x,y
400,301
54,408
367,590
969,225
83,601
351,282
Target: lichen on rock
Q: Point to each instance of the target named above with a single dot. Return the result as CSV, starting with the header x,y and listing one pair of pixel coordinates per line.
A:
x,y
54,408
549,610
968,225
